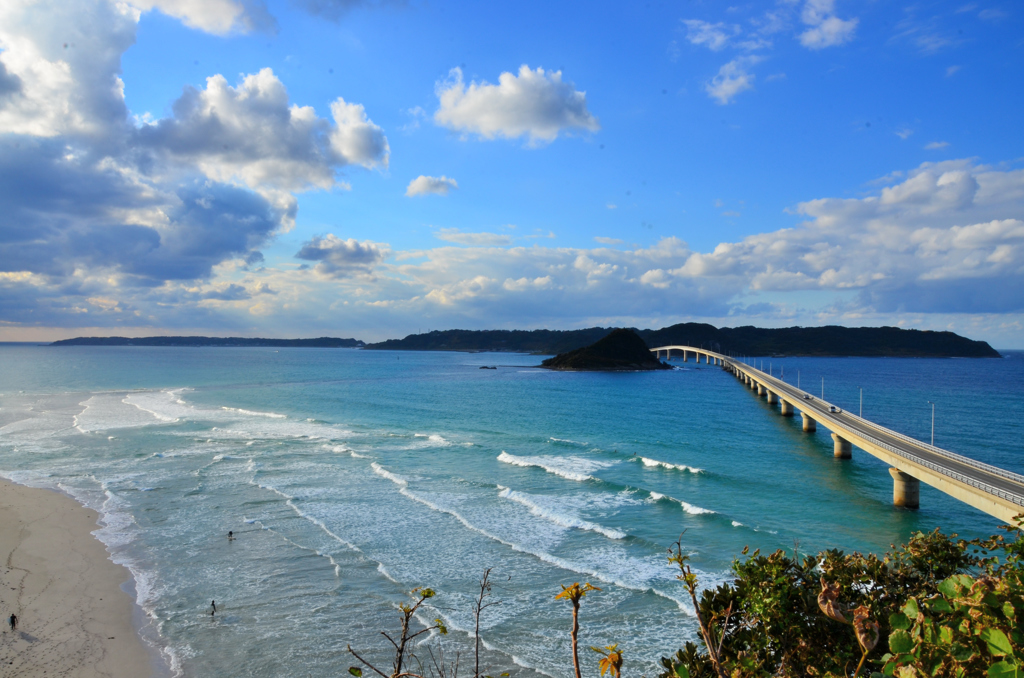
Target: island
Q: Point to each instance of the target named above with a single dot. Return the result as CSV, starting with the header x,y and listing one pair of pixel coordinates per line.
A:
x,y
621,350
827,341
321,342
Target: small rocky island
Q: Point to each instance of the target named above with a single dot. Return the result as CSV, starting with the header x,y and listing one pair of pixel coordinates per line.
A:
x,y
621,351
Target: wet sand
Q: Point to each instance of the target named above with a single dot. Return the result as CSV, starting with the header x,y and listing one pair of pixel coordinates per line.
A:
x,y
73,618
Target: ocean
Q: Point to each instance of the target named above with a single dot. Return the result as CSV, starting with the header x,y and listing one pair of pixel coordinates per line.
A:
x,y
350,477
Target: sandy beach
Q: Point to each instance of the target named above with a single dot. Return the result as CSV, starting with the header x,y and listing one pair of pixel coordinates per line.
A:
x,y
73,617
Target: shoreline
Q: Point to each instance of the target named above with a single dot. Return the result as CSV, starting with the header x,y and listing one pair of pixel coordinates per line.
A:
x,y
75,616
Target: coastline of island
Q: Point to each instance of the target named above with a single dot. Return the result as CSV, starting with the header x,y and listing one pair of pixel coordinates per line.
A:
x,y
73,617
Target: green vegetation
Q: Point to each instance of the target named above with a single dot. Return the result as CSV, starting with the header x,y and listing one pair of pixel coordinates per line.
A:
x,y
936,606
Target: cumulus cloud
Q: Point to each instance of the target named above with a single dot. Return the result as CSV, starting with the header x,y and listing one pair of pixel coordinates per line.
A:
x,y
733,78
932,243
214,16
424,185
106,222
936,145
607,241
825,29
476,239
251,134
534,104
339,258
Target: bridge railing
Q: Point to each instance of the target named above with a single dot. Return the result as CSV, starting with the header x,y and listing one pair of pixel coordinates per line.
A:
x,y
1015,498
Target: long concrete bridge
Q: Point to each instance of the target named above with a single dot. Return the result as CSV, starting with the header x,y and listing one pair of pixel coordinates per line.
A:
x,y
995,491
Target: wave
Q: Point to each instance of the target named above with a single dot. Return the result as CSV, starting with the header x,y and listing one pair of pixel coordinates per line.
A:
x,y
571,468
566,441
384,473
440,441
253,413
557,517
689,508
664,464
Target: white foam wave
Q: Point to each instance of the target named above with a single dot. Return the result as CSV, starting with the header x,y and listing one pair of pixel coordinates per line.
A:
x,y
664,464
571,468
737,523
384,473
619,578
566,441
689,508
558,517
434,439
253,413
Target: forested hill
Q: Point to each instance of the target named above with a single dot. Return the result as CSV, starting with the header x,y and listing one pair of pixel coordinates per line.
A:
x,y
793,341
322,342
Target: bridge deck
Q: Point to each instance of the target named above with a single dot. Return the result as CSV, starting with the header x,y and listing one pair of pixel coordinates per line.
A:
x,y
993,490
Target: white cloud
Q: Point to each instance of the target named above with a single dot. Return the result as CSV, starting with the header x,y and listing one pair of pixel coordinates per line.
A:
x,y
424,185
951,71
733,78
936,145
714,36
250,133
339,258
607,241
213,16
534,104
475,239
904,133
825,28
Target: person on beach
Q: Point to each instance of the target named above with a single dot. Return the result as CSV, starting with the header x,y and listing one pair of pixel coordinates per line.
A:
x,y
213,607
13,621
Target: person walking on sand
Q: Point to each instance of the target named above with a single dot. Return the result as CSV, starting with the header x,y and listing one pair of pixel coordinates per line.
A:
x,y
213,607
13,621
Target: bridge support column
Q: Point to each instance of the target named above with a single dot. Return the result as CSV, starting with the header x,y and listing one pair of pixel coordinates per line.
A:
x,y
809,424
785,408
761,390
843,447
771,398
906,489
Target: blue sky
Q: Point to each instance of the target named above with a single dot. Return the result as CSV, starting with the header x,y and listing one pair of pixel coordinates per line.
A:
x,y
373,169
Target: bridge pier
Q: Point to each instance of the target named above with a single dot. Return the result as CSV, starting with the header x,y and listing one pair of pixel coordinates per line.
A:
x,y
771,397
761,390
906,489
786,409
809,424
843,448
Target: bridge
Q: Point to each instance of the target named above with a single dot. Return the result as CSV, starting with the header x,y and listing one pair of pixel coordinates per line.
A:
x,y
995,491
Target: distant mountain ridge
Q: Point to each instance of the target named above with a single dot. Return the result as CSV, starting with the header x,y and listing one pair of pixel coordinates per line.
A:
x,y
828,341
322,342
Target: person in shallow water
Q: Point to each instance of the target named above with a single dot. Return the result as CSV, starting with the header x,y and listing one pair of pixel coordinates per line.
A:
x,y
231,535
13,621
213,607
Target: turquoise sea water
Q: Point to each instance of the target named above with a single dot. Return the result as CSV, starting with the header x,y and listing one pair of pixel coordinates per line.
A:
x,y
351,477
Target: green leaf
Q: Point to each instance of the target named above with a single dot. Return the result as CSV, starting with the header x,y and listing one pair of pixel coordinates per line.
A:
x,y
940,605
946,635
949,588
899,621
1008,610
1005,669
998,643
682,671
900,642
910,609
356,671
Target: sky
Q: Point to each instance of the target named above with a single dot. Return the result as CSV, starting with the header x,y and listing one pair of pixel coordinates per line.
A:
x,y
304,168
